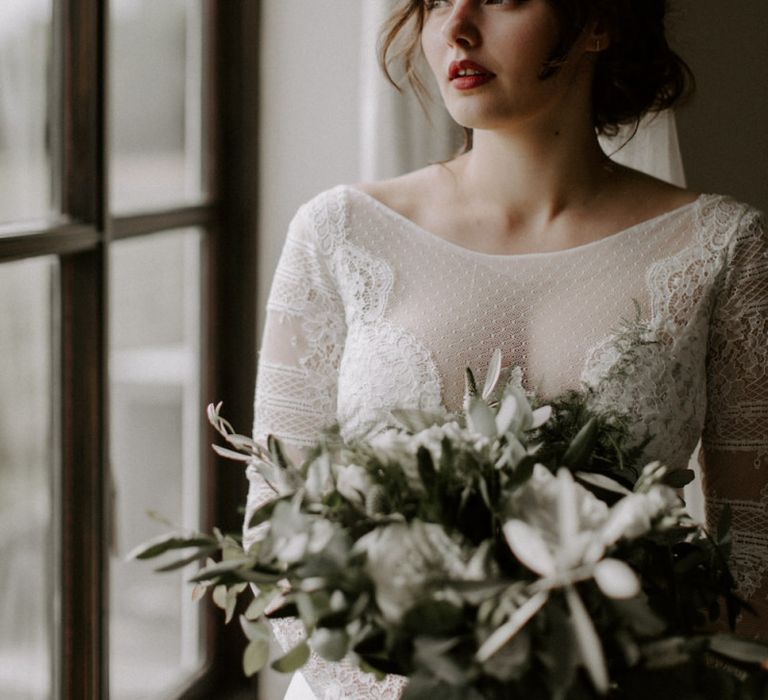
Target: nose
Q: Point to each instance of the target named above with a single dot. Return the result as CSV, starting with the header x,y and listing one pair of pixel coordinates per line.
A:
x,y
460,29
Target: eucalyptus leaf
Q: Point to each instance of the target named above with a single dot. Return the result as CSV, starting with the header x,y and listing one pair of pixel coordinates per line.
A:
x,y
482,485
276,452
307,610
226,599
184,561
332,645
224,567
164,543
529,547
470,385
255,631
509,629
639,616
541,416
506,413
523,471
293,660
493,374
665,653
678,478
220,597
578,452
256,607
426,468
590,647
432,654
481,419
231,454
264,513
616,579
242,442
724,526
739,649
255,656
602,482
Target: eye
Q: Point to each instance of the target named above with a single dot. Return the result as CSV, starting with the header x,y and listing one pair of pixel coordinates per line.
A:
x,y
434,4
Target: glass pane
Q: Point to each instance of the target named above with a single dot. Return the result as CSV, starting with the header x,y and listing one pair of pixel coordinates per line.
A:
x,y
156,411
25,159
156,100
27,551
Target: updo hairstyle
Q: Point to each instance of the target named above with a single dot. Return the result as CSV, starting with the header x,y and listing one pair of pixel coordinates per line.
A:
x,y
635,74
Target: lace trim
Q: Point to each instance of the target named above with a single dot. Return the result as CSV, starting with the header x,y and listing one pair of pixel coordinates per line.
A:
x,y
339,680
665,357
738,362
749,553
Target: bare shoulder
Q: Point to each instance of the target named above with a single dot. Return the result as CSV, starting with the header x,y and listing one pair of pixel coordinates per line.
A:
x,y
649,196
408,194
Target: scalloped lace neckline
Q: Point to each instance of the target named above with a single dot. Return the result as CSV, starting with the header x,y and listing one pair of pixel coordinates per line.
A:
x,y
463,250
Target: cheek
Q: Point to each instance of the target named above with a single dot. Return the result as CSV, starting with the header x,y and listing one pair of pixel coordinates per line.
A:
x,y
431,47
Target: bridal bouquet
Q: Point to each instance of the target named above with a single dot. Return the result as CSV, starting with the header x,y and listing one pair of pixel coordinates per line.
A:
x,y
514,551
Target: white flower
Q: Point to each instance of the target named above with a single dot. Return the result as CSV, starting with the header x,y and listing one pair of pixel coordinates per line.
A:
x,y
352,482
293,534
537,503
630,518
431,439
403,557
634,515
561,540
319,480
321,533
616,579
391,440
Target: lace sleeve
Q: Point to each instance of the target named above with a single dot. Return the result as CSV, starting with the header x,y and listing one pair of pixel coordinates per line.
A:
x,y
735,440
296,392
299,358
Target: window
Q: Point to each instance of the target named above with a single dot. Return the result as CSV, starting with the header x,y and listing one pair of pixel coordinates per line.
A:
x,y
127,302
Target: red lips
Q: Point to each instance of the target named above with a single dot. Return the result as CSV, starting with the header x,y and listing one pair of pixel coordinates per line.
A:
x,y
468,75
457,66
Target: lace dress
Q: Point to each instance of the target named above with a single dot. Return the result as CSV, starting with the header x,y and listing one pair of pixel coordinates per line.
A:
x,y
667,319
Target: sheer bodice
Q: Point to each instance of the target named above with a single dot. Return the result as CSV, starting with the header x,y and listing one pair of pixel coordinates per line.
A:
x,y
667,320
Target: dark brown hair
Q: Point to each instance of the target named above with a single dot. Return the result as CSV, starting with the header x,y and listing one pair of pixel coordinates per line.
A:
x,y
635,74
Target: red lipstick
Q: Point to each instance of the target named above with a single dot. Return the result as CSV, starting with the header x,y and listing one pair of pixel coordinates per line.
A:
x,y
465,75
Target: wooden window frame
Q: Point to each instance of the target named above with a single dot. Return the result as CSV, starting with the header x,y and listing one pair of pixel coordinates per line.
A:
x,y
81,238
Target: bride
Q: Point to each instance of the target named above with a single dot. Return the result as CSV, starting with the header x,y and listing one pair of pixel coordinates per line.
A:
x,y
582,271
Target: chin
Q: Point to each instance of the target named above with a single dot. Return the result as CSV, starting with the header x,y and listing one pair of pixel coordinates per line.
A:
x,y
494,117
482,119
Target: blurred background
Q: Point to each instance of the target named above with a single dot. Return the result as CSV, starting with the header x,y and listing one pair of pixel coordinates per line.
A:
x,y
151,156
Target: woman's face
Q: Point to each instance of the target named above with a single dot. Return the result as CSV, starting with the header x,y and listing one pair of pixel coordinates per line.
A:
x,y
488,57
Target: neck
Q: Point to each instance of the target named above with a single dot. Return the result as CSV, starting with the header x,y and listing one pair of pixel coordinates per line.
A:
x,y
531,175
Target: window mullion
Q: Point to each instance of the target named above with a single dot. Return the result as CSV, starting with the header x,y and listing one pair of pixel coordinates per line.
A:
x,y
84,401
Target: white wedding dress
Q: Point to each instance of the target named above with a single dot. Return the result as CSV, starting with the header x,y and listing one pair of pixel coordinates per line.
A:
x,y
667,320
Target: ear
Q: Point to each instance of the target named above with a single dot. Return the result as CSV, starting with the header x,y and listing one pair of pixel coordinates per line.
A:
x,y
597,36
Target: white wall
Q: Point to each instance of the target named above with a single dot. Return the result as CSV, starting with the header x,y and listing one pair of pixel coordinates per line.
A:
x,y
309,112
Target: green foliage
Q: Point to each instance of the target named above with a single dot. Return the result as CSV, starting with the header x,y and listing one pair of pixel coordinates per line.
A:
x,y
460,551
583,440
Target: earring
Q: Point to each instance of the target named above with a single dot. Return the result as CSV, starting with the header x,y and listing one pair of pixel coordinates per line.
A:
x,y
597,45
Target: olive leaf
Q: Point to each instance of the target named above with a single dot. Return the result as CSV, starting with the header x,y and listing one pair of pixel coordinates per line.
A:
x,y
293,660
